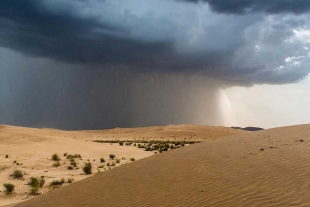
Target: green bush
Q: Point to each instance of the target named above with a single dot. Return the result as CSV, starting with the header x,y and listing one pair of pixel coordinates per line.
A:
x,y
72,162
55,157
56,164
57,182
18,174
41,182
34,190
112,156
36,182
9,187
87,168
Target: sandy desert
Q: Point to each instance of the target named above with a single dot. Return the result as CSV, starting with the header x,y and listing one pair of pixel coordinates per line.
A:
x,y
30,151
263,168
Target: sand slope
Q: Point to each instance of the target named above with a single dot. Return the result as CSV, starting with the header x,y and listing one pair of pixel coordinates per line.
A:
x,y
32,148
265,168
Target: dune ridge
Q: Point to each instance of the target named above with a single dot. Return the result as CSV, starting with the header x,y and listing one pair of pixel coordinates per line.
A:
x,y
264,168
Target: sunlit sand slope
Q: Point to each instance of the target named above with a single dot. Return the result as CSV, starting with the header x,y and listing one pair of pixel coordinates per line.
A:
x,y
265,168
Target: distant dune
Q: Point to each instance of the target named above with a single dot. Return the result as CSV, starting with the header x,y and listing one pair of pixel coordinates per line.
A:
x,y
249,128
30,150
171,132
264,168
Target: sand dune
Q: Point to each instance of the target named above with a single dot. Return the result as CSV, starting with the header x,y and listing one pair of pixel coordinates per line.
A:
x,y
265,168
32,150
170,132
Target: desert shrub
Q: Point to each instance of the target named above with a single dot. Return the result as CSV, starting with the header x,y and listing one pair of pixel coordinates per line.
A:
x,y
74,156
65,154
72,162
113,164
87,168
18,174
57,182
56,164
9,187
69,157
132,159
108,164
33,182
55,157
34,190
118,160
70,168
41,182
15,161
70,180
36,182
121,143
112,156
100,166
6,156
102,160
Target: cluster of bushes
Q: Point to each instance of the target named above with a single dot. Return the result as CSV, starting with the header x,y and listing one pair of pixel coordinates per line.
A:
x,y
153,145
72,156
9,187
56,158
36,183
122,142
57,183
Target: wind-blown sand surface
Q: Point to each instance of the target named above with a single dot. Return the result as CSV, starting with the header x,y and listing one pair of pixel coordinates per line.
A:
x,y
265,168
33,148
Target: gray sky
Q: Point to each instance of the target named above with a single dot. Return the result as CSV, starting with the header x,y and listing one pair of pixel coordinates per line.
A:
x,y
107,63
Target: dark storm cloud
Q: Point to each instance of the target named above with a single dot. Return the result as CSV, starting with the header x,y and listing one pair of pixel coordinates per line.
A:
x,y
29,27
268,6
162,36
